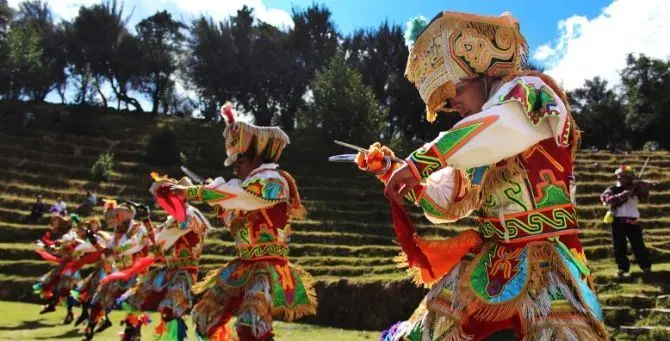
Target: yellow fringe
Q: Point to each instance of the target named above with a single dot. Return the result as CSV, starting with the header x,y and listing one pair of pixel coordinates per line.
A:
x,y
537,280
575,135
303,309
437,100
206,282
563,326
495,177
297,210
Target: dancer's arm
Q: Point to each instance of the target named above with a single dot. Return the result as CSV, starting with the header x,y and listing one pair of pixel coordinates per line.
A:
x,y
261,190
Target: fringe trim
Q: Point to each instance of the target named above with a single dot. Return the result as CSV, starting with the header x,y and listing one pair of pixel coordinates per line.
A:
x,y
438,98
303,309
443,255
555,278
463,207
575,135
497,176
297,210
565,328
206,283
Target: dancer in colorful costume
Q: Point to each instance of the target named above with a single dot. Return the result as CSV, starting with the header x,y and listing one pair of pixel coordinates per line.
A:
x,y
177,245
84,290
58,226
125,250
260,283
508,161
66,251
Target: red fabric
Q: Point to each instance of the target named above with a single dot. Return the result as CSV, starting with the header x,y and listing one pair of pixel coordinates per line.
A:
x,y
433,258
404,231
47,240
74,266
480,330
245,334
47,256
139,266
173,205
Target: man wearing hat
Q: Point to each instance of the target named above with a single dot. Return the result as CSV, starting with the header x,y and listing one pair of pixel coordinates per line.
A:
x,y
508,161
622,199
260,283
177,246
126,248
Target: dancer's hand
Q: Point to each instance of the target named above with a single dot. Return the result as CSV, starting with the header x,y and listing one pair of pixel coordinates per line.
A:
x,y
377,161
400,183
178,191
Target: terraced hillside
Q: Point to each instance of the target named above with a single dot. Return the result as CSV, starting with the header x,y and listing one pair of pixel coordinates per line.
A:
x,y
346,243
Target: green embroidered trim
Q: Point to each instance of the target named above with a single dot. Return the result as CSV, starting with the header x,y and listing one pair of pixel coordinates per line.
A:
x,y
450,140
553,195
515,193
257,251
214,195
192,193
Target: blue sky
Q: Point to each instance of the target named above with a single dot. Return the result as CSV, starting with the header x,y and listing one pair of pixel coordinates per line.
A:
x,y
538,18
573,40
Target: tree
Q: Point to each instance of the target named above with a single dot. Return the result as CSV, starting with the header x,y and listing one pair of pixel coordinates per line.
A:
x,y
49,71
161,40
101,49
211,63
646,85
342,106
599,113
312,42
380,56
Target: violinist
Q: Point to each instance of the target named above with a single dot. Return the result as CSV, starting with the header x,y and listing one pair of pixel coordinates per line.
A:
x,y
623,199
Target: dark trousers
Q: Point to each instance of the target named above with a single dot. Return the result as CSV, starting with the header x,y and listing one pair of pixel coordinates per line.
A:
x,y
633,232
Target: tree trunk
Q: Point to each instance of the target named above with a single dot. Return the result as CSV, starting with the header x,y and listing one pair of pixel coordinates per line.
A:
x,y
97,87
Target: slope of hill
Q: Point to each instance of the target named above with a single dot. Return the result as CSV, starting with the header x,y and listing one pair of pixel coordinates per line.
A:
x,y
346,242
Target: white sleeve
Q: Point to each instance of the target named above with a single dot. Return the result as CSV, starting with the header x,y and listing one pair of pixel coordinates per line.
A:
x,y
261,190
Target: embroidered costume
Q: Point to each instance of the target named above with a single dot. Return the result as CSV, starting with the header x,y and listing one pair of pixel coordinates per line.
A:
x,y
524,269
125,251
91,246
57,283
260,283
177,246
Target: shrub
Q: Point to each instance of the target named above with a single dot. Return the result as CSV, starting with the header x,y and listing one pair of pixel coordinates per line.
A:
x,y
162,148
651,146
102,168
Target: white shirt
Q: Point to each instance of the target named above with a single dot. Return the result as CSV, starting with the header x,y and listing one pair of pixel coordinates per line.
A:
x,y
628,209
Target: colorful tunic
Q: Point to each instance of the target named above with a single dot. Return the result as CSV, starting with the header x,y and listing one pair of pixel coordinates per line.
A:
x,y
126,248
510,165
59,281
168,288
260,283
84,290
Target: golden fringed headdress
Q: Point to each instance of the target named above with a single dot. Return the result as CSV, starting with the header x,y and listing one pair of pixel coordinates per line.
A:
x,y
245,138
456,46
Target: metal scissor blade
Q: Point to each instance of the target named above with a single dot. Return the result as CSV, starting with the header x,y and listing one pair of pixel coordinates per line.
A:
x,y
343,158
348,145
193,176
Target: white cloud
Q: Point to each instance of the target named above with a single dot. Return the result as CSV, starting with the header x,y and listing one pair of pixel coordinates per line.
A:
x,y
221,10
62,9
598,47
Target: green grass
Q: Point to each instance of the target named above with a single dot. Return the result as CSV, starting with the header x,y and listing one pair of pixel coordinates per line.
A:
x,y
24,323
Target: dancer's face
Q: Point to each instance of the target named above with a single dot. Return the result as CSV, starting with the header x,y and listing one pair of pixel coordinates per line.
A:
x,y
243,166
470,97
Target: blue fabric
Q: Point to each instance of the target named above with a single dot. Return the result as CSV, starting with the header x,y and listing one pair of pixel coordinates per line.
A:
x,y
588,295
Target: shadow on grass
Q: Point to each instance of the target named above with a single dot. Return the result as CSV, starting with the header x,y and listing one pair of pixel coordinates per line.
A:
x,y
69,334
28,325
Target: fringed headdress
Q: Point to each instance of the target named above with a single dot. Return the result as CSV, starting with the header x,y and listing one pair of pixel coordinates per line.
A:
x,y
458,46
244,138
